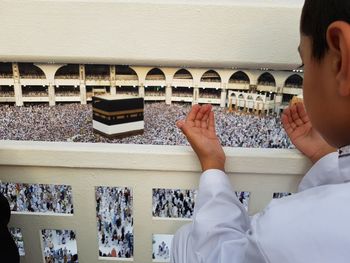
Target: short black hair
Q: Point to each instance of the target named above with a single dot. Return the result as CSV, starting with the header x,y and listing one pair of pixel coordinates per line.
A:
x,y
316,17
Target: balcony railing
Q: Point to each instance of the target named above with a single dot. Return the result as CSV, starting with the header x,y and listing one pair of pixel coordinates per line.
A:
x,y
142,168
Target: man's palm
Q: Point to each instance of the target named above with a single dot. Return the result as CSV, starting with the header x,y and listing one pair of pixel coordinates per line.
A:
x,y
199,128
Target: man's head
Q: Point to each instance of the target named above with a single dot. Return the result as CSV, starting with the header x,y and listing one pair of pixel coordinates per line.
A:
x,y
316,17
325,52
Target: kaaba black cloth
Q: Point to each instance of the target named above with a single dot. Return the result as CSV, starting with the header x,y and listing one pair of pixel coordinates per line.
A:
x,y
117,105
8,249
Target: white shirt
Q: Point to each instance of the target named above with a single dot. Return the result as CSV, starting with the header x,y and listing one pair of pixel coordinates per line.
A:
x,y
312,226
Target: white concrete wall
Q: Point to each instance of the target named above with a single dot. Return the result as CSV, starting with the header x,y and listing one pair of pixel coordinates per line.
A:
x,y
149,32
84,166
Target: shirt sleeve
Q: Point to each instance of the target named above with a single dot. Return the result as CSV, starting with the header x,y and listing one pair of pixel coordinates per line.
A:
x,y
221,226
324,171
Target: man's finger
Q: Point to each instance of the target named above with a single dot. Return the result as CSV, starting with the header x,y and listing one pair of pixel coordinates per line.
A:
x,y
201,112
204,122
295,116
193,112
211,122
181,124
302,112
288,113
200,115
286,125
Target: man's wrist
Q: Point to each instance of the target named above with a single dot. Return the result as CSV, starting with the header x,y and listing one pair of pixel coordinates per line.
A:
x,y
321,153
213,165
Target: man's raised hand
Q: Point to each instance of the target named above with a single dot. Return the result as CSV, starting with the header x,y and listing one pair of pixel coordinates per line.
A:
x,y
199,128
297,124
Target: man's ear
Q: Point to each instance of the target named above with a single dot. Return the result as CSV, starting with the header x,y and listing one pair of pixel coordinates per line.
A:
x,y
338,40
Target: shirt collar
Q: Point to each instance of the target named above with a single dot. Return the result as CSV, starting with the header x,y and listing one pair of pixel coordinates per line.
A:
x,y
344,151
344,163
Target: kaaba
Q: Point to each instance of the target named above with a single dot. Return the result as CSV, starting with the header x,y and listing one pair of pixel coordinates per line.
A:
x,y
117,117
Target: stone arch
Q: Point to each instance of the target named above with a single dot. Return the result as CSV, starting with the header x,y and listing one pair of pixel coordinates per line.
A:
x,y
156,86
29,70
155,74
124,72
294,80
210,76
239,77
267,79
70,71
183,74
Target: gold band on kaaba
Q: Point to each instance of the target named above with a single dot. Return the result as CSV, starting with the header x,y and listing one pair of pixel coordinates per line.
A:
x,y
116,113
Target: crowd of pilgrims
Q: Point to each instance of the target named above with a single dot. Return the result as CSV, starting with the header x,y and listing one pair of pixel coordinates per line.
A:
x,y
173,203
280,195
114,208
73,122
155,93
176,203
18,238
67,93
163,252
40,198
7,94
59,246
243,197
182,94
35,94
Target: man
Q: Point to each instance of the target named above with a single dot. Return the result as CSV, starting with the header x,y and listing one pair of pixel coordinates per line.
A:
x,y
312,225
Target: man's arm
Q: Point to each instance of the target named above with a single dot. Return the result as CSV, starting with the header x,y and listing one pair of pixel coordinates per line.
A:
x,y
325,170
220,223
220,231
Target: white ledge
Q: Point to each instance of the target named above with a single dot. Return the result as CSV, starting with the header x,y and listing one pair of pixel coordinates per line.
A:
x,y
146,157
222,34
